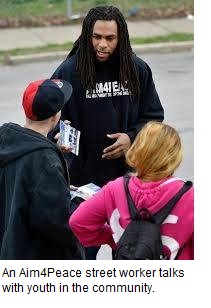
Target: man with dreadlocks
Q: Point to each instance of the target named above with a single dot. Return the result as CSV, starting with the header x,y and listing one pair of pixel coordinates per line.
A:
x,y
113,96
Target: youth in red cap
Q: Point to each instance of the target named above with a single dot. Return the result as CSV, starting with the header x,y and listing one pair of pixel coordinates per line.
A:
x,y
44,98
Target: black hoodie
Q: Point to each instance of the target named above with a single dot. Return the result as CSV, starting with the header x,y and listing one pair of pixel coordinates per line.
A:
x,y
108,109
34,198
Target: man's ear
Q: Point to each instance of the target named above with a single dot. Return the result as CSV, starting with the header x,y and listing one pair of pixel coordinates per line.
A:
x,y
54,120
56,117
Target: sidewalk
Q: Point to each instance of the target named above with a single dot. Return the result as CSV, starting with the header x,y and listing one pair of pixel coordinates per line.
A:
x,y
41,36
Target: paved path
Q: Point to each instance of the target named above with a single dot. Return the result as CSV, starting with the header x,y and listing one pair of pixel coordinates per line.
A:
x,y
40,36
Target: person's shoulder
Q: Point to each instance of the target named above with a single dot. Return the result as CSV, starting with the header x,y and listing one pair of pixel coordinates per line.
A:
x,y
185,206
140,64
69,63
115,185
48,158
53,157
174,184
139,61
71,60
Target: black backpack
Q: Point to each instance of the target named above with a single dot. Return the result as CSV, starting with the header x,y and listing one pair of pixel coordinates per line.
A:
x,y
141,240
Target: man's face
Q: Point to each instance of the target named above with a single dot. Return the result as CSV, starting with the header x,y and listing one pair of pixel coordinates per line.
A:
x,y
104,38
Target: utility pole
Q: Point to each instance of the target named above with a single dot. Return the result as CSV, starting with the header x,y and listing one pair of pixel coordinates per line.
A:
x,y
69,8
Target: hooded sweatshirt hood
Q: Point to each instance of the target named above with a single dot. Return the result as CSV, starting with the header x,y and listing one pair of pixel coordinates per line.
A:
x,y
152,195
10,147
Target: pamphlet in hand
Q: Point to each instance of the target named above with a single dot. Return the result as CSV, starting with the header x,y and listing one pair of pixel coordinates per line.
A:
x,y
69,137
85,191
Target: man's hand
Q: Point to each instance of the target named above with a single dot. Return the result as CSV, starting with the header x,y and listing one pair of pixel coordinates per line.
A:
x,y
73,188
63,148
119,147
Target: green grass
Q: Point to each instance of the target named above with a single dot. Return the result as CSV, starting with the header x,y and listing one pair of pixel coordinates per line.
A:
x,y
27,8
173,37
46,48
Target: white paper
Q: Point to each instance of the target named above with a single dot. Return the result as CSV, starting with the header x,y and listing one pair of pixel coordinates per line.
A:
x,y
85,191
69,137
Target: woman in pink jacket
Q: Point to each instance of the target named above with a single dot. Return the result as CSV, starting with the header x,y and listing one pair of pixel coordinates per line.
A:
x,y
155,155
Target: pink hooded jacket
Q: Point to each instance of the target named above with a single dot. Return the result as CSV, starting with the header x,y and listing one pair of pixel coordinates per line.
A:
x,y
89,221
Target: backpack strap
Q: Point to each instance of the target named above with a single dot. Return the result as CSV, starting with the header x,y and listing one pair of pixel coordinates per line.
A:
x,y
160,216
134,213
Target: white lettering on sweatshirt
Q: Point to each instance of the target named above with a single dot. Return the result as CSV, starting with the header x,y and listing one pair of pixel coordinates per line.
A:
x,y
107,89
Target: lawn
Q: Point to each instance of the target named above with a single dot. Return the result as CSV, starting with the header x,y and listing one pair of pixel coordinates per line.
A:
x,y
30,8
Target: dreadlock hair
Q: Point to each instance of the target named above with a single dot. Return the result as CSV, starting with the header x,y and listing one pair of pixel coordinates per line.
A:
x,y
85,63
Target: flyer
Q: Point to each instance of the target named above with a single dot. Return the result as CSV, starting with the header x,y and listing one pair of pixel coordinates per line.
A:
x,y
69,137
85,191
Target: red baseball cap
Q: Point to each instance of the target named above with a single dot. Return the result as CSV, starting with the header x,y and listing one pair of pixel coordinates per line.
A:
x,y
44,98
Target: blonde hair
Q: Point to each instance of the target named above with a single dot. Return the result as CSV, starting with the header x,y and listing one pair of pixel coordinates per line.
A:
x,y
156,152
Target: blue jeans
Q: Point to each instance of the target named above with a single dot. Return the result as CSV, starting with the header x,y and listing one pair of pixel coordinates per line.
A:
x,y
91,252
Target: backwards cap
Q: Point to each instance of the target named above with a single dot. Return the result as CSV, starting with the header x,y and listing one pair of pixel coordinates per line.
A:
x,y
44,98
